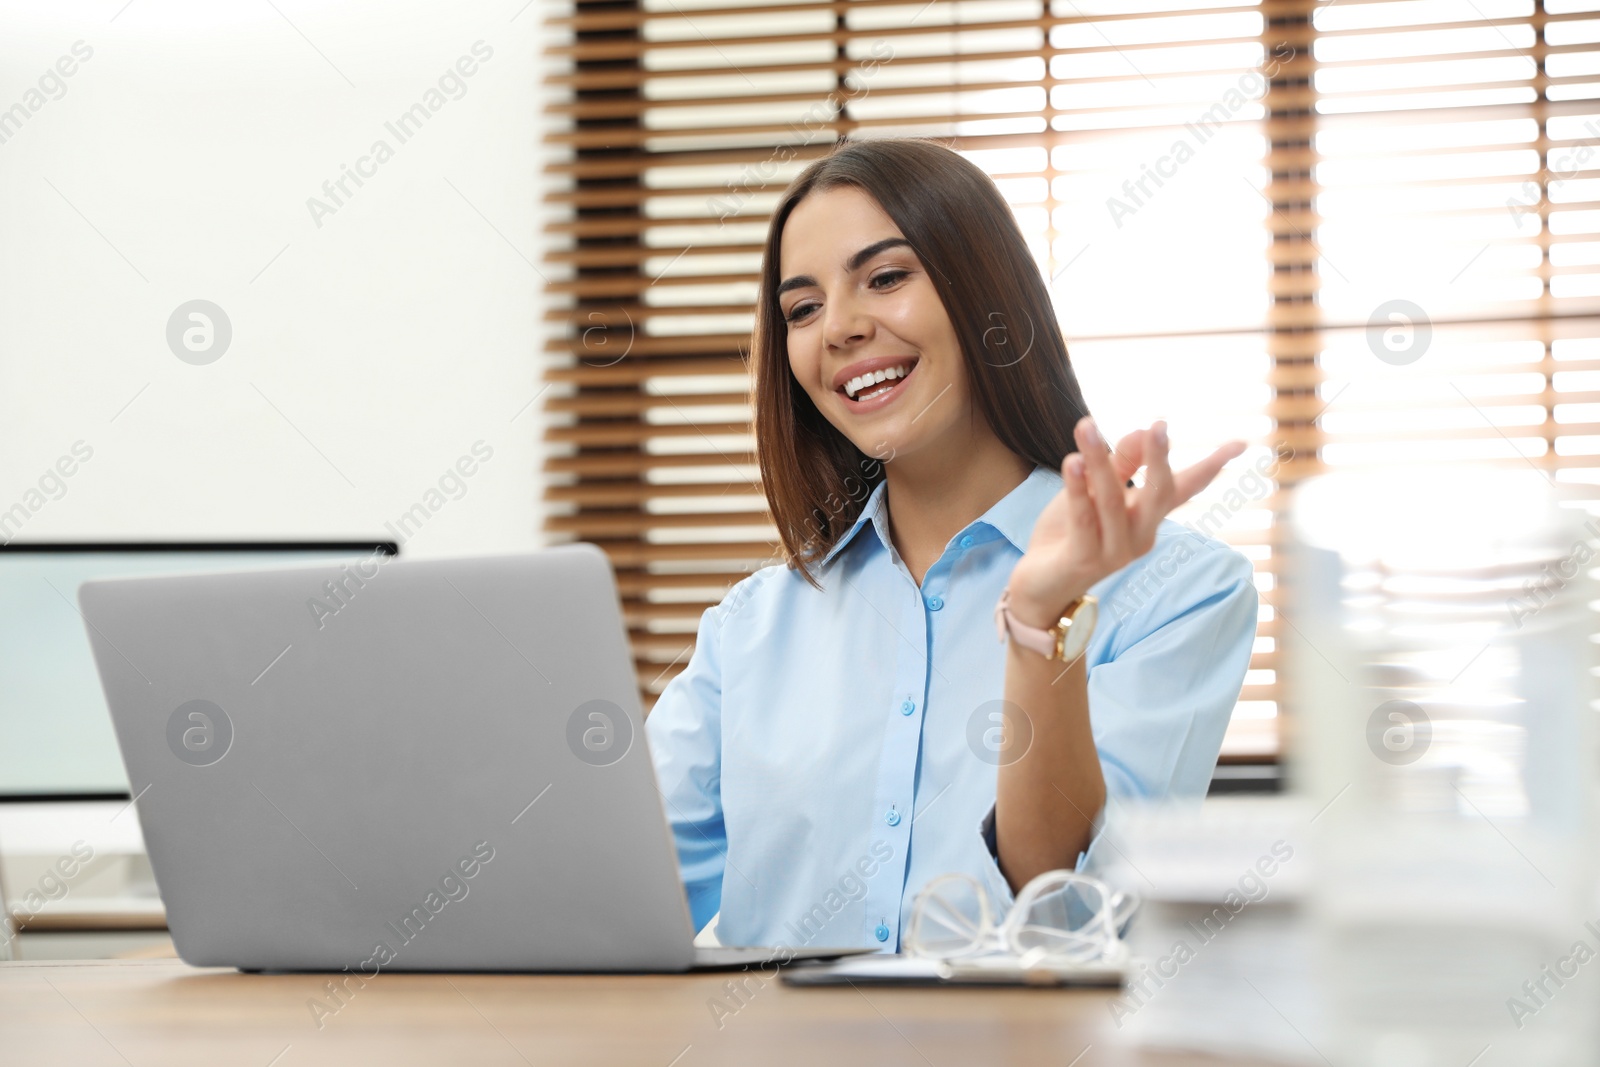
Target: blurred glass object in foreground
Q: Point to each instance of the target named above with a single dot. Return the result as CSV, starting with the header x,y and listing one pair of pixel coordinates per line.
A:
x,y
1221,963
1441,672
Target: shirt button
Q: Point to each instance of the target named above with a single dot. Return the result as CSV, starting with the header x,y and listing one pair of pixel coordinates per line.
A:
x,y
935,603
907,707
881,933
966,542
893,818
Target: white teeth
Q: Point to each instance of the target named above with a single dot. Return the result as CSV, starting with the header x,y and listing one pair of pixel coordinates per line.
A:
x,y
855,385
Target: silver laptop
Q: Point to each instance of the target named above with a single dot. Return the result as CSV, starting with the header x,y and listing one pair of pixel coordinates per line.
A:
x,y
397,765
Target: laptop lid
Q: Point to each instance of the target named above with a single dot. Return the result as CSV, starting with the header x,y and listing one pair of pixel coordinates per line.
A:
x,y
412,765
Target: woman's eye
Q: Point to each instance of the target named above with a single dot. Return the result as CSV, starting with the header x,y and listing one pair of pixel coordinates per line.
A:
x,y
891,276
798,312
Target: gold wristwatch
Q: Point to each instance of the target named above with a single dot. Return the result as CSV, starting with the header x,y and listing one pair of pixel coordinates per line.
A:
x,y
1065,641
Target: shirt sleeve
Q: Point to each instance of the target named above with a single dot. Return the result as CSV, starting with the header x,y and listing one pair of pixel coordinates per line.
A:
x,y
685,736
1160,704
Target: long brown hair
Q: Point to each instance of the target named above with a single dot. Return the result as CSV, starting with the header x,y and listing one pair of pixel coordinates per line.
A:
x,y
816,481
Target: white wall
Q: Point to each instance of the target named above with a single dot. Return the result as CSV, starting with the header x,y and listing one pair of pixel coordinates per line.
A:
x,y
368,353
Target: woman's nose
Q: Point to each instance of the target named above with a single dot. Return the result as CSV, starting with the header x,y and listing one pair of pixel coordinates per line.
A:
x,y
846,324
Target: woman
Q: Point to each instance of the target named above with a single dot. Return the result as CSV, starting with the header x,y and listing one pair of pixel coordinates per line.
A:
x,y
849,727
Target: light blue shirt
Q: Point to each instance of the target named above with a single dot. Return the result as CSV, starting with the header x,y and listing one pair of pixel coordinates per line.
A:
x,y
828,752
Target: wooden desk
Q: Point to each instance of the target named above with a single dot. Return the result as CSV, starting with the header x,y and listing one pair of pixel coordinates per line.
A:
x,y
140,1012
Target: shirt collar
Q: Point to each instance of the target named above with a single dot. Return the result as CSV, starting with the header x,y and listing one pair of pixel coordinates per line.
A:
x,y
873,511
1012,516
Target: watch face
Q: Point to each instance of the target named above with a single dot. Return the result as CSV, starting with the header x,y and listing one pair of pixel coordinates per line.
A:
x,y
1082,628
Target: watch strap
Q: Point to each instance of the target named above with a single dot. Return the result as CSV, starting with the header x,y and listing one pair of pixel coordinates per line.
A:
x,y
1029,637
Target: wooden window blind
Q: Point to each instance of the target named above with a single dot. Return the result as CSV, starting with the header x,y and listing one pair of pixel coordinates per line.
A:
x,y
1457,196
1232,203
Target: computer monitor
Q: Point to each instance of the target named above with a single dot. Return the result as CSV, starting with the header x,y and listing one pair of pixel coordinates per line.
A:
x,y
56,740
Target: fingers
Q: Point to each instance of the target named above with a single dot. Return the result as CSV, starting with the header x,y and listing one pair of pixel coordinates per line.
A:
x,y
1125,522
1163,489
1154,499
1105,487
1081,518
1189,481
1129,454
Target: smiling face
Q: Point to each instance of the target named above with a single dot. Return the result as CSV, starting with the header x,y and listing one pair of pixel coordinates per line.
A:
x,y
900,257
869,340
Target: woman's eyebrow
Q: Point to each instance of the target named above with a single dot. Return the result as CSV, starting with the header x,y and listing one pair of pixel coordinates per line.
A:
x,y
873,249
800,281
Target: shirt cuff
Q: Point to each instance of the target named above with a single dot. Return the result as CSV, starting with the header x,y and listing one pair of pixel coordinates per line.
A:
x,y
994,880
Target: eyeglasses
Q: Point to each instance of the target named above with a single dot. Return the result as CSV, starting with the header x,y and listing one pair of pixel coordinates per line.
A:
x,y
1059,918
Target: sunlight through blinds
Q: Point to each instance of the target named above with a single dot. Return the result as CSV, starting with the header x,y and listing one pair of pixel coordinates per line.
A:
x,y
1221,195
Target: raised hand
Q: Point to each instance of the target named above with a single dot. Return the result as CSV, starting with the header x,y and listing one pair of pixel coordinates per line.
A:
x,y
1096,525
